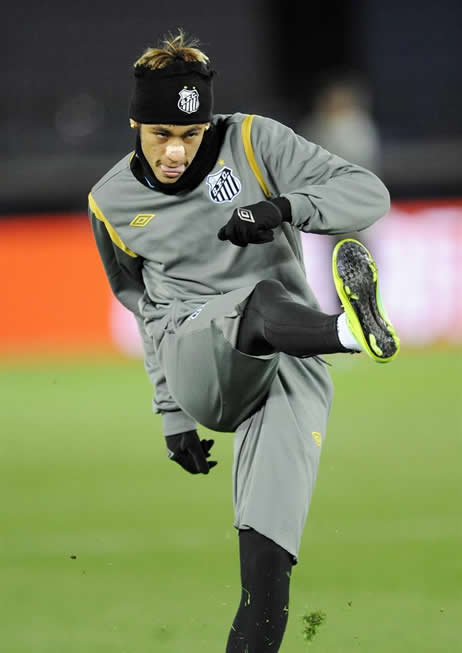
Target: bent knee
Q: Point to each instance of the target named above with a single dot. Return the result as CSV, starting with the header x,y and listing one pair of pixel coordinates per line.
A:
x,y
267,291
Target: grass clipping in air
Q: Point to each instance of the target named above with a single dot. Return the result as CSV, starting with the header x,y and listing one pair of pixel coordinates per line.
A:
x,y
311,623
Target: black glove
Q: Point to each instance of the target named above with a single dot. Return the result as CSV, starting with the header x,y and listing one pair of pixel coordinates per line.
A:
x,y
255,223
191,453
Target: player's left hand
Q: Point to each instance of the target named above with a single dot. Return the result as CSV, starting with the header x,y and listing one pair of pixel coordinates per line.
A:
x,y
252,224
190,452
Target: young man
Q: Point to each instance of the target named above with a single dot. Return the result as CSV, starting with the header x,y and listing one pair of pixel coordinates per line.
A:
x,y
198,231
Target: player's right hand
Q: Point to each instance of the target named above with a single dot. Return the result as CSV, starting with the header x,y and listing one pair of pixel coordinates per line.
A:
x,y
190,452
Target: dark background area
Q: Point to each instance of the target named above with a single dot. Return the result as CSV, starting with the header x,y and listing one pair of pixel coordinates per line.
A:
x,y
66,76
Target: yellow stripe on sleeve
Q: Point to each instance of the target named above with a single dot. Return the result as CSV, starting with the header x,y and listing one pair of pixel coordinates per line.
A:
x,y
247,141
116,239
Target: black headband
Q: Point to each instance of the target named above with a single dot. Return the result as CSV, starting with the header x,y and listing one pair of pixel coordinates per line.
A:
x,y
180,94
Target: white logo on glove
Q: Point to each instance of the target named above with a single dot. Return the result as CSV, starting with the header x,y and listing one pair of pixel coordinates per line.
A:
x,y
246,215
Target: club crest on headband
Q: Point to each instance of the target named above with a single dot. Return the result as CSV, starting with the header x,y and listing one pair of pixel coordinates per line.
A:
x,y
189,100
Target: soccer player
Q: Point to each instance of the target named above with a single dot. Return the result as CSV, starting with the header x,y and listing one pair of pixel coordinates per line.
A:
x,y
198,231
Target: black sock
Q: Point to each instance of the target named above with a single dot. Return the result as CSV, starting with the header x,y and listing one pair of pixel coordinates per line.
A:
x,y
261,619
273,321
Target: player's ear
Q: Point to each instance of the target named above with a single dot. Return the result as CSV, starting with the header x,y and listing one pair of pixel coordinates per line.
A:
x,y
207,126
134,124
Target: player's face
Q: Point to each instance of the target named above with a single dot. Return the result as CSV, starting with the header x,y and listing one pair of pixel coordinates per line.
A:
x,y
170,149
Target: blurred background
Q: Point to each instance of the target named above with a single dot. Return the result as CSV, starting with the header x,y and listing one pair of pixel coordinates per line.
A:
x,y
379,85
93,515
67,83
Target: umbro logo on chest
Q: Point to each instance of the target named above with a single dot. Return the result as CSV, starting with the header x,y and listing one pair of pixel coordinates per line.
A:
x,y
142,219
223,185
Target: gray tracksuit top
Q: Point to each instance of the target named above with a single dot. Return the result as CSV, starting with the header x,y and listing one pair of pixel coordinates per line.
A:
x,y
161,251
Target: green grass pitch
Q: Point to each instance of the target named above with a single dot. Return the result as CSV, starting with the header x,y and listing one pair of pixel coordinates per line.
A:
x,y
108,547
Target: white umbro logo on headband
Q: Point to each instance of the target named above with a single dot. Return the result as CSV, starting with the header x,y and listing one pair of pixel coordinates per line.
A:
x,y
189,100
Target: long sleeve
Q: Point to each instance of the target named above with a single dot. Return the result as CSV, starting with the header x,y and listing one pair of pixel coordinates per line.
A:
x,y
174,420
125,278
327,194
123,271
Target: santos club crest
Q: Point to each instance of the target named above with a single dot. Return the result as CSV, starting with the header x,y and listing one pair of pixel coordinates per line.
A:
x,y
223,185
189,100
